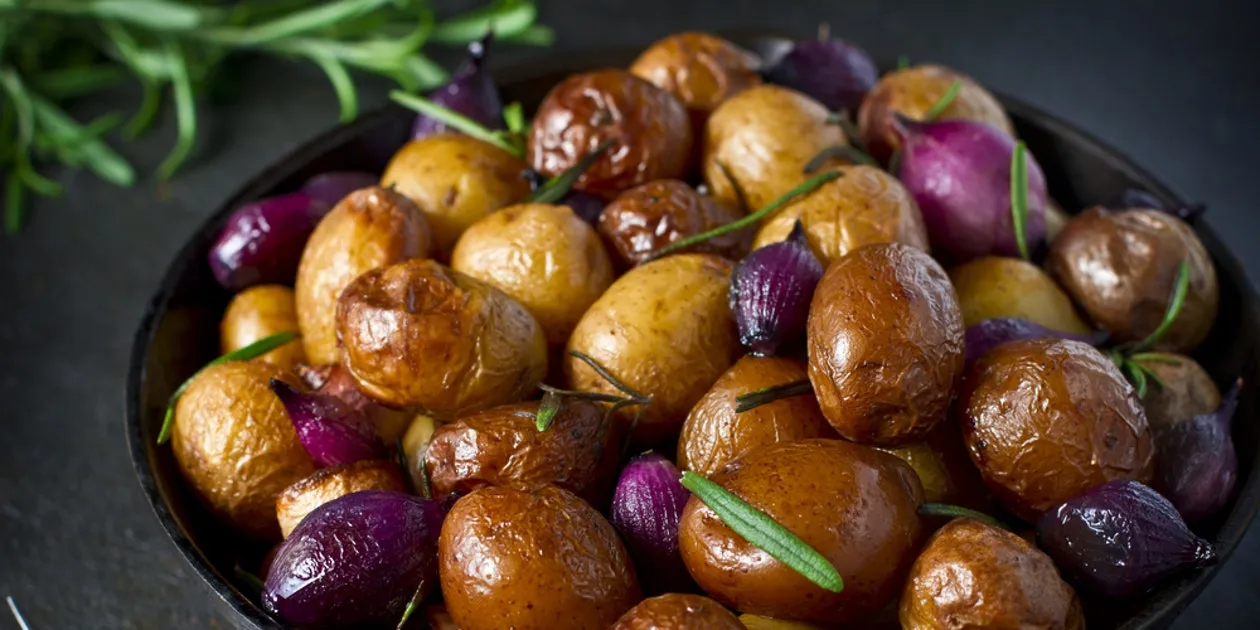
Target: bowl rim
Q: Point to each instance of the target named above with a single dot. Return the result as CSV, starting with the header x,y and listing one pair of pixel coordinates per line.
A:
x,y
1160,612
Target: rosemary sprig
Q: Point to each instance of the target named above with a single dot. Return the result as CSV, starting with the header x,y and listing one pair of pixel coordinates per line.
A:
x,y
1019,198
1130,358
456,120
554,189
945,101
767,395
945,509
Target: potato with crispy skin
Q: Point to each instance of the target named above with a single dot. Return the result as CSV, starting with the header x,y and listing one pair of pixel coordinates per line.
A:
x,y
301,498
678,611
700,69
648,217
260,312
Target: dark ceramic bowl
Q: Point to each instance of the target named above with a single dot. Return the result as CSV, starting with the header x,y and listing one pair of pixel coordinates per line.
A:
x,y
179,333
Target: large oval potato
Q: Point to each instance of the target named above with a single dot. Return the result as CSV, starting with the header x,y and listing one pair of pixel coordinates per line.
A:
x,y
678,611
648,217
997,286
234,442
455,180
260,312
419,334
885,340
664,329
546,257
699,69
301,498
714,434
764,137
532,558
854,505
369,228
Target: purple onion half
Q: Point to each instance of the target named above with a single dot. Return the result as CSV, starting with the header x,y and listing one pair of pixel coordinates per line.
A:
x,y
836,73
262,242
1120,539
1197,466
990,333
333,186
329,429
356,560
470,91
959,172
771,290
646,508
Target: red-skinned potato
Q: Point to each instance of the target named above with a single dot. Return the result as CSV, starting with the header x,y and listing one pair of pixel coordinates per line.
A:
x,y
301,498
699,69
260,312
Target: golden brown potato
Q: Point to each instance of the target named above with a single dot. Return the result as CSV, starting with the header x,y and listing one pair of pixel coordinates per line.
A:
x,y
854,505
532,558
714,434
579,452
1121,267
234,442
650,130
648,217
913,92
419,334
260,312
301,498
699,69
664,329
544,256
369,228
1186,390
973,575
757,622
678,611
455,180
1047,419
765,136
996,286
885,344
944,469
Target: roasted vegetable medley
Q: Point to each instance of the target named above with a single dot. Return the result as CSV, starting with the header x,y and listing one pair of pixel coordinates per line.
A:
x,y
717,341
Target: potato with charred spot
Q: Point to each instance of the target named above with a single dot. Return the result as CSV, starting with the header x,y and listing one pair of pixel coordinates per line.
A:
x,y
699,69
260,312
301,498
646,218
678,611
419,334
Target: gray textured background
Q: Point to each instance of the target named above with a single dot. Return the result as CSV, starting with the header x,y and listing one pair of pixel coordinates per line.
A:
x,y
1173,84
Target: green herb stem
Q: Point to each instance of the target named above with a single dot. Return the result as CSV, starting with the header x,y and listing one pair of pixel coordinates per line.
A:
x,y
249,578
1019,198
851,154
1181,286
557,187
945,101
767,395
547,410
454,119
945,509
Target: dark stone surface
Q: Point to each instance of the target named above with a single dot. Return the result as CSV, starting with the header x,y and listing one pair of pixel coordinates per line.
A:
x,y
1173,84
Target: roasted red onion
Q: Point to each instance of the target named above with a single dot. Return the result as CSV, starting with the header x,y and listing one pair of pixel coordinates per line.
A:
x,y
332,187
470,91
646,508
960,174
1197,465
356,560
771,290
262,241
330,430
1120,539
836,73
990,333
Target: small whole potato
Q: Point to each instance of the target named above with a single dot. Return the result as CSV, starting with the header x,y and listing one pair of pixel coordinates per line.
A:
x,y
649,129
665,330
369,228
234,442
913,92
579,452
973,575
1047,419
701,70
996,286
854,505
764,137
544,256
885,340
455,180
260,312
714,434
1187,390
1121,268
678,611
532,557
301,498
648,217
419,334
944,469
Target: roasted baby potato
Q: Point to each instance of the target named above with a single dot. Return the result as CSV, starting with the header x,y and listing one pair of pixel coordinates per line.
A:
x,y
854,505
650,130
648,217
1121,267
679,611
714,434
996,286
419,334
885,343
369,228
455,180
944,469
260,312
544,256
579,452
973,575
532,558
913,92
763,137
1183,391
665,330
235,444
301,498
700,70
1047,419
